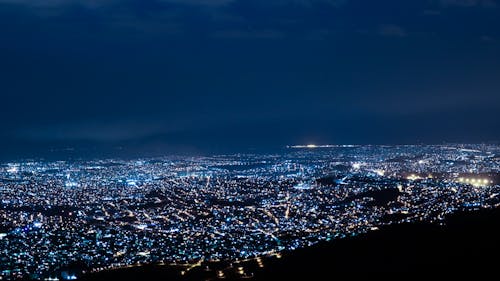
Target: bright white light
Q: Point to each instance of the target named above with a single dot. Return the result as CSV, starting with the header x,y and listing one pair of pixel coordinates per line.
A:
x,y
71,184
13,169
319,146
413,177
131,183
356,166
141,226
380,172
302,186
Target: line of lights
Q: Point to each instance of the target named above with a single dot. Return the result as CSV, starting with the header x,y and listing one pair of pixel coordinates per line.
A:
x,y
473,181
320,146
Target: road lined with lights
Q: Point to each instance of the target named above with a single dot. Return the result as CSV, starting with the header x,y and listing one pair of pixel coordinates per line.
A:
x,y
109,214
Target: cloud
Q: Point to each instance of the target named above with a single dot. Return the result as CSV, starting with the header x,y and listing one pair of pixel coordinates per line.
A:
x,y
200,2
318,34
432,12
98,3
249,34
468,3
103,3
391,30
60,3
487,38
311,2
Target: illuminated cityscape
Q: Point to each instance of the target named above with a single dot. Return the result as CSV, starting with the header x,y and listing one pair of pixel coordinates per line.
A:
x,y
111,213
210,140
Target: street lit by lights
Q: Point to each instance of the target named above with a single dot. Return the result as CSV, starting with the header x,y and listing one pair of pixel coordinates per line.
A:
x,y
475,181
187,210
301,146
413,177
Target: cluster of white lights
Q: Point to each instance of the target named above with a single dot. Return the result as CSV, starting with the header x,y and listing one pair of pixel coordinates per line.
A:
x,y
356,166
317,146
474,181
13,169
413,177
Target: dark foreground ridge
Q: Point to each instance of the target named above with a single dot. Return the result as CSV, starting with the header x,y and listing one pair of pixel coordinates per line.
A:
x,y
465,247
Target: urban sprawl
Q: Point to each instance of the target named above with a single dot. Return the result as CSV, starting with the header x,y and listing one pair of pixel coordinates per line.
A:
x,y
108,214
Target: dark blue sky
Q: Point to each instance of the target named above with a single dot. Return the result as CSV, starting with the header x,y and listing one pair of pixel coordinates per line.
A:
x,y
206,75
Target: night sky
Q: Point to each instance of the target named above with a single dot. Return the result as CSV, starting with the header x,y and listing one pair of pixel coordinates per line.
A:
x,y
204,76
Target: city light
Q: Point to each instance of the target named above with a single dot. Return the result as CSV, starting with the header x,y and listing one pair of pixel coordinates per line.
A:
x,y
13,169
475,181
133,213
413,177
